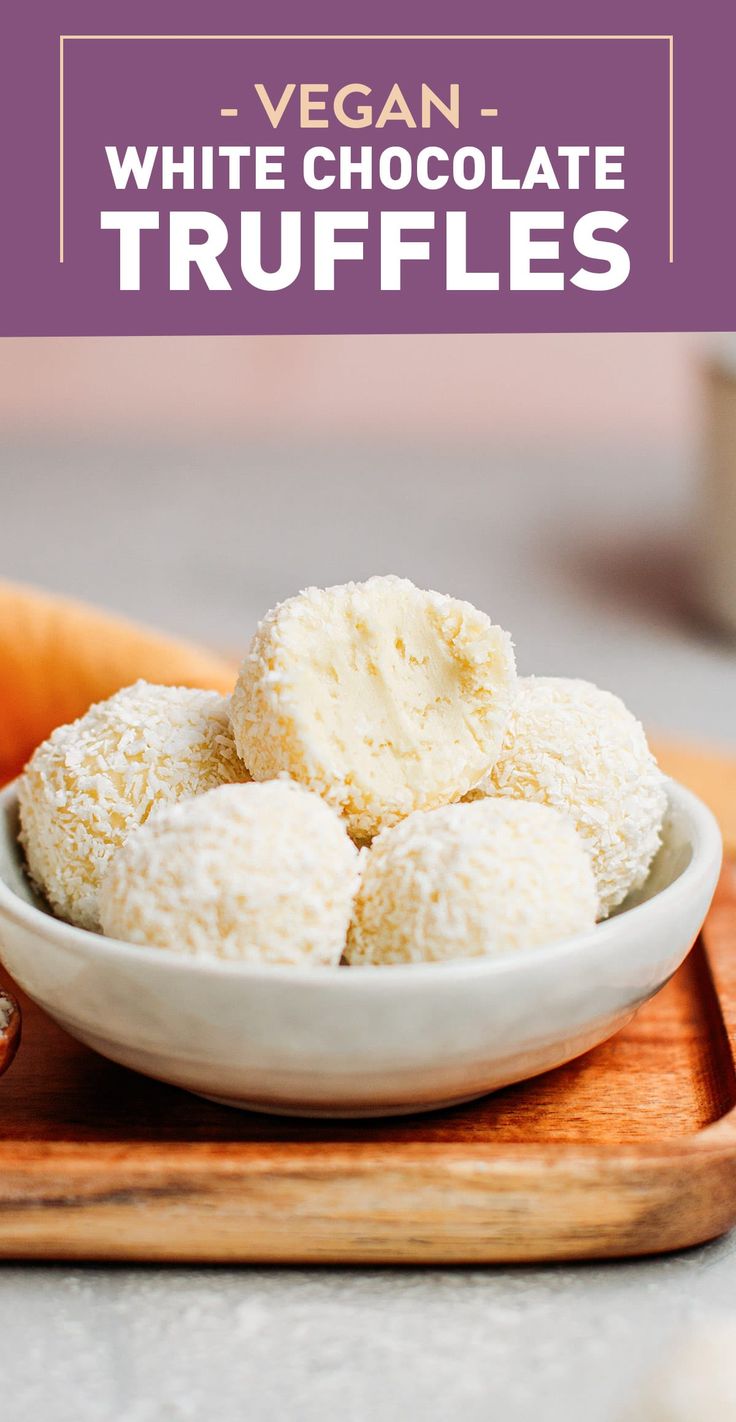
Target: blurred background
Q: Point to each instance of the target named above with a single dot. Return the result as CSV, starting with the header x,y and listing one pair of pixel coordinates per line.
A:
x,y
565,484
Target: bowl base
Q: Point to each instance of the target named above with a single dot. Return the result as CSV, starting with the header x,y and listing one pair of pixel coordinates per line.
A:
x,y
337,1113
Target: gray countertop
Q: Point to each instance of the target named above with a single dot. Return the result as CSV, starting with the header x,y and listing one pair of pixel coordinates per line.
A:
x,y
568,1344
589,559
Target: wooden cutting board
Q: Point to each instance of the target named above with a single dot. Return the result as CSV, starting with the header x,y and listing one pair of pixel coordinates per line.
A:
x,y
629,1150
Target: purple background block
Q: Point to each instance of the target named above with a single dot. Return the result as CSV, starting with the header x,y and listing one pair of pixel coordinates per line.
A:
x,y
547,91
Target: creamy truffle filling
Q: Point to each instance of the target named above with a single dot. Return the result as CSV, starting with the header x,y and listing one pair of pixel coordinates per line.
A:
x,y
380,696
386,691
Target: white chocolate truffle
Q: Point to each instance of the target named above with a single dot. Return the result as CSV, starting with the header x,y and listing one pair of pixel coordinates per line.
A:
x,y
253,873
469,881
579,749
93,781
382,698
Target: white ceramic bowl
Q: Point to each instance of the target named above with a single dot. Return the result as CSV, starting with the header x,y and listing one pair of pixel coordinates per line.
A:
x,y
360,1041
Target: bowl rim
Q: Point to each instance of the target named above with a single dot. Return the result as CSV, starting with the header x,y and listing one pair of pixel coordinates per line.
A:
x,y
707,853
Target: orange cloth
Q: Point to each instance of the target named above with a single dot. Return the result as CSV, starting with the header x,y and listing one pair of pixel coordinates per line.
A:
x,y
58,656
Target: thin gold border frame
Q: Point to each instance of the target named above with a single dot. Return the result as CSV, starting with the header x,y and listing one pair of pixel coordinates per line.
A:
x,y
669,39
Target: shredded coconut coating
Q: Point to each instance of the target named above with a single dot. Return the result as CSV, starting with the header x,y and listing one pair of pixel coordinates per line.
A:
x,y
253,873
381,697
93,781
471,880
579,749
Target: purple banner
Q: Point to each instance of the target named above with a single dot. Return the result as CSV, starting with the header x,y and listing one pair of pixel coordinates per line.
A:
x,y
511,176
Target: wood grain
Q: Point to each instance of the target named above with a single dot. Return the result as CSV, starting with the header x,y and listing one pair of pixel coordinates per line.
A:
x,y
630,1150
